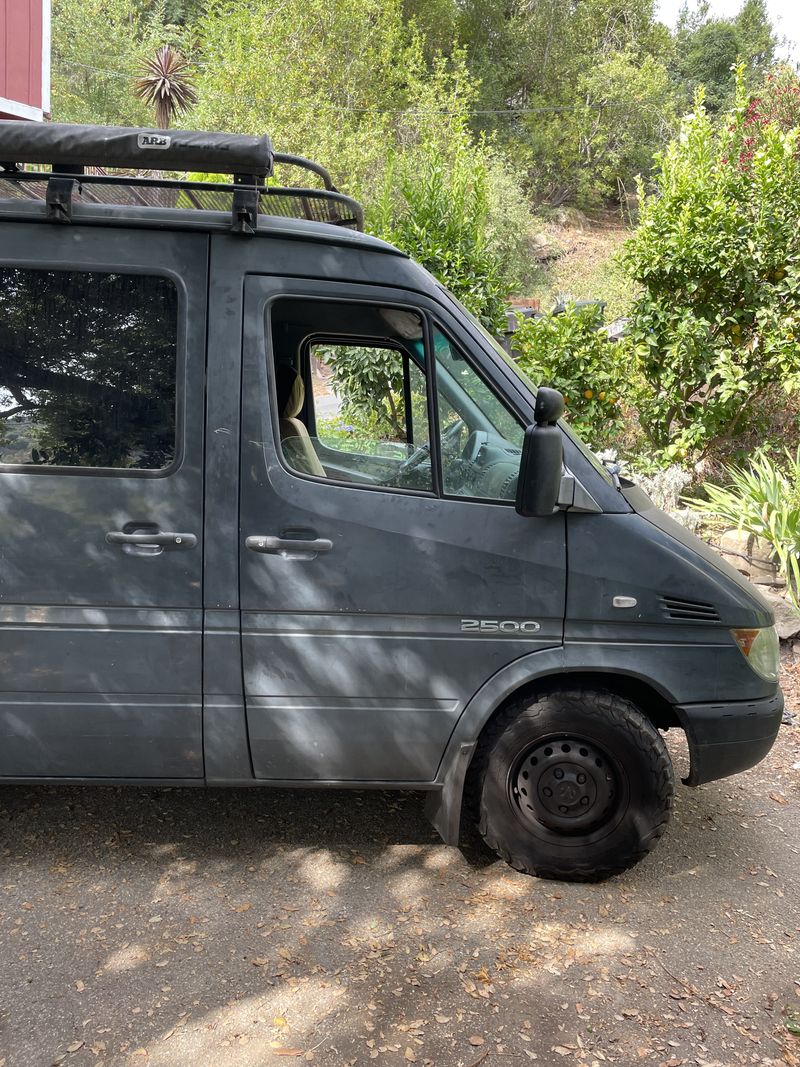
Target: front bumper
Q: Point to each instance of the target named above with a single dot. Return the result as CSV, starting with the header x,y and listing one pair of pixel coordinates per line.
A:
x,y
727,738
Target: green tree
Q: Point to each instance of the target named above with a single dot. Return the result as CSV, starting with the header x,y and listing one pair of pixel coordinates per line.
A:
x,y
587,86
447,196
99,47
570,352
717,256
708,49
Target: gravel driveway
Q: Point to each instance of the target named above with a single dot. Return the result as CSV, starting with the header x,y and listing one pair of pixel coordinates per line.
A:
x,y
182,928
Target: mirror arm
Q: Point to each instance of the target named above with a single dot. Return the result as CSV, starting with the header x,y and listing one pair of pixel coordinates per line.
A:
x,y
573,497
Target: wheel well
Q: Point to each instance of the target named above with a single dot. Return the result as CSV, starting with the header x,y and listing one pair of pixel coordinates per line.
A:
x,y
650,702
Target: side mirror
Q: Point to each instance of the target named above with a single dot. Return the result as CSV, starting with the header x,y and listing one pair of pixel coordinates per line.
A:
x,y
549,406
542,460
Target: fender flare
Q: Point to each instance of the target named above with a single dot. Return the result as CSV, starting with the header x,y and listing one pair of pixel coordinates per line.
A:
x,y
443,804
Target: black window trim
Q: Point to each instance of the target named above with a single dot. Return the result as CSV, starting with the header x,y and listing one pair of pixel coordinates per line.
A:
x,y
181,371
435,323
430,320
269,360
361,341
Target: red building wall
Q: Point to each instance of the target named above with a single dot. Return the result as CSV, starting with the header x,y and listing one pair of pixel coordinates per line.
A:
x,y
24,59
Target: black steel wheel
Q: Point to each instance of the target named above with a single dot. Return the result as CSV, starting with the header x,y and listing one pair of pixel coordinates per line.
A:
x,y
575,785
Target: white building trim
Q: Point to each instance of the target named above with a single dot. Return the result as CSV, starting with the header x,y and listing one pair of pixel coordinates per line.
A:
x,y
46,50
20,111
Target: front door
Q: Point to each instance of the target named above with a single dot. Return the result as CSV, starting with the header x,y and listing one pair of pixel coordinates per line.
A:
x,y
385,575
102,350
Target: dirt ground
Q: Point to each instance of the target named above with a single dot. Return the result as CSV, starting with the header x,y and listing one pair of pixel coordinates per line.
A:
x,y
176,928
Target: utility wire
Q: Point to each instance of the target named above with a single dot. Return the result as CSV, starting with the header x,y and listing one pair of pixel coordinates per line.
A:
x,y
375,110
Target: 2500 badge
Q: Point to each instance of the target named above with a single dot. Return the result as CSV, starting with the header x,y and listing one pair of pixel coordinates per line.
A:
x,y
495,626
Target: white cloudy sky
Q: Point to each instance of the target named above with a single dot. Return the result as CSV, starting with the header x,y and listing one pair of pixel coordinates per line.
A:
x,y
785,16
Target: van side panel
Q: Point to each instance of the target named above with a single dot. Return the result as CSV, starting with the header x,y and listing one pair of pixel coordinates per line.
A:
x,y
100,643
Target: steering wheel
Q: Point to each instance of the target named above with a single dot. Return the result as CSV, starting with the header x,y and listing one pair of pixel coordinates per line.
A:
x,y
416,459
451,435
420,454
477,440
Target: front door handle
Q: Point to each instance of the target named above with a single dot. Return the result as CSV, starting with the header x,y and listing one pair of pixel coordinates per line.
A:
x,y
287,545
156,539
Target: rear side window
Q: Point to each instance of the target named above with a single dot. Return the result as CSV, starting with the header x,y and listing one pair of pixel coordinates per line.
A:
x,y
88,369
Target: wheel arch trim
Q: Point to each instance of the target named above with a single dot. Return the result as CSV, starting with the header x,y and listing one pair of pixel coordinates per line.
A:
x,y
443,807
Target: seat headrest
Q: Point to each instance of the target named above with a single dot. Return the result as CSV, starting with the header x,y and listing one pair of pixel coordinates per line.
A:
x,y
291,391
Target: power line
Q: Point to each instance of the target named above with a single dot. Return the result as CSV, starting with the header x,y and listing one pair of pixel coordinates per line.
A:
x,y
552,108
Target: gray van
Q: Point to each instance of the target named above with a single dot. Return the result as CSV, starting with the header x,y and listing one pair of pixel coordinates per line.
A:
x,y
208,576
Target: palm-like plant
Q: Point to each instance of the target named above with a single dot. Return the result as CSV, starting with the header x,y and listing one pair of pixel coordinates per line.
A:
x,y
166,85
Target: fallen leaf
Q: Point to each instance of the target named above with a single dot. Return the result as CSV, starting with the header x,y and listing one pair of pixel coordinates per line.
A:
x,y
288,1051
243,907
480,1058
779,798
476,1040
75,1046
80,986
561,1051
259,961
279,1021
410,1055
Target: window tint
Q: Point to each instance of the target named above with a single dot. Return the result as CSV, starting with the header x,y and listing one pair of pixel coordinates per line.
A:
x,y
87,369
365,421
481,440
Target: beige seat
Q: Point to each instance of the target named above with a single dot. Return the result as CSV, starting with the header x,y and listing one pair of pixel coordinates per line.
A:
x,y
295,439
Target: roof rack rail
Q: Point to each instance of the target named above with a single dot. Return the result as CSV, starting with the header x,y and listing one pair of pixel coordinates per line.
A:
x,y
70,149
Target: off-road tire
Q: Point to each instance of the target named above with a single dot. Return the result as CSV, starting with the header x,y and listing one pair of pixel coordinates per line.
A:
x,y
632,794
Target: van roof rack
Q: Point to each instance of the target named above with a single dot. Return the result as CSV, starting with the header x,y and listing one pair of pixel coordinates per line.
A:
x,y
69,150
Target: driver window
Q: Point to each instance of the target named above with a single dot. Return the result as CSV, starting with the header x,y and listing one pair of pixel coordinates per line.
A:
x,y
480,440
351,393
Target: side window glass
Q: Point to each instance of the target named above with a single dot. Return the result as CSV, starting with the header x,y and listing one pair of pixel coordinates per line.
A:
x,y
480,439
364,420
361,398
87,369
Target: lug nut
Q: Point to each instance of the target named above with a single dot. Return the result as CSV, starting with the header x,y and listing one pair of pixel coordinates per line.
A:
x,y
558,773
548,792
581,778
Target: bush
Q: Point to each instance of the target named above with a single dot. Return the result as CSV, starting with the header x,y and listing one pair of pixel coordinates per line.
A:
x,y
763,499
718,260
570,353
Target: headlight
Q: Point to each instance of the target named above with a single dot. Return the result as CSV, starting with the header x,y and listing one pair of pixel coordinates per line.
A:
x,y
761,649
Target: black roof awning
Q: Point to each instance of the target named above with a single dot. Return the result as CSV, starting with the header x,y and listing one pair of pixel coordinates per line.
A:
x,y
63,145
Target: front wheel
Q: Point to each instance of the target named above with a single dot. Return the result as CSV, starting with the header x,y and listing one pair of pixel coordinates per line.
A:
x,y
575,785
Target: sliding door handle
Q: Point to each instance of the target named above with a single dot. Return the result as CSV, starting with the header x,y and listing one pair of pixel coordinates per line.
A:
x,y
287,545
157,539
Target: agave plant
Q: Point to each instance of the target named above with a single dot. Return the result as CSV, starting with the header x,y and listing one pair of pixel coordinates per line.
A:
x,y
763,499
166,85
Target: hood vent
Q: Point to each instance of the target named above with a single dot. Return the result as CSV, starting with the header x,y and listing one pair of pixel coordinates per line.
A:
x,y
688,610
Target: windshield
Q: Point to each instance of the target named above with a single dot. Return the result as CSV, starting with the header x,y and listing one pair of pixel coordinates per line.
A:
x,y
520,373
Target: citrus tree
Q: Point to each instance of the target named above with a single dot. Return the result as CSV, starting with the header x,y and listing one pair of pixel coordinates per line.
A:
x,y
717,258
